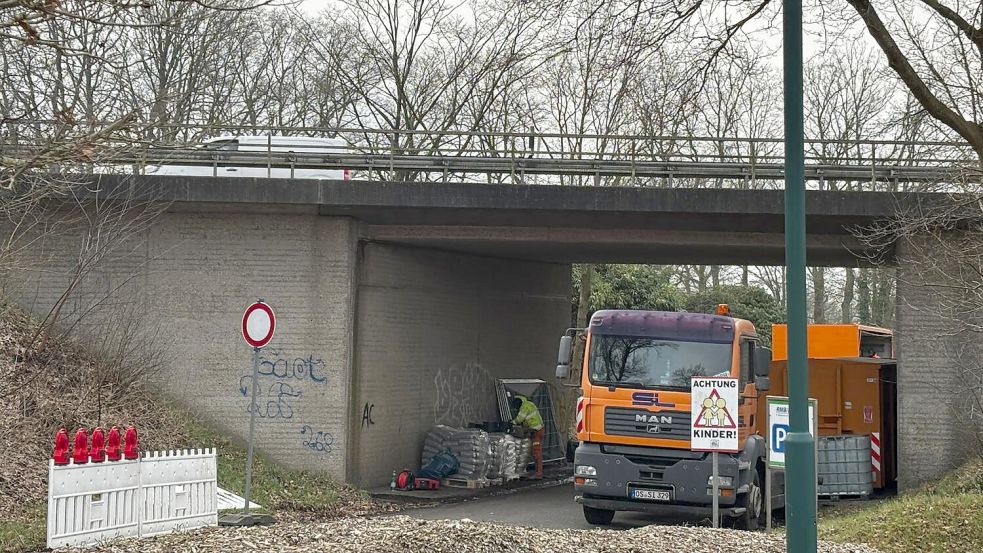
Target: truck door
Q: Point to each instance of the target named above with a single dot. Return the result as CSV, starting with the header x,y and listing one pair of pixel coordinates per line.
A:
x,y
749,395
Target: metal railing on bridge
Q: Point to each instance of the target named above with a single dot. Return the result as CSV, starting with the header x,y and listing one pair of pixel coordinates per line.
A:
x,y
511,157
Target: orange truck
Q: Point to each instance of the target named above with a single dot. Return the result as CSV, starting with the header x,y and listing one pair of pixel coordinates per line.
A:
x,y
633,416
853,376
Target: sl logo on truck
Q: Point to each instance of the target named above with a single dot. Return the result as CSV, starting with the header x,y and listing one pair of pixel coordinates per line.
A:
x,y
648,399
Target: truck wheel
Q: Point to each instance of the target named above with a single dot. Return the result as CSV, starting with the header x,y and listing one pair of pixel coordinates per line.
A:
x,y
753,503
598,517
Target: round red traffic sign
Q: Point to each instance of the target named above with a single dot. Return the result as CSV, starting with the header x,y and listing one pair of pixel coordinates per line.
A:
x,y
258,324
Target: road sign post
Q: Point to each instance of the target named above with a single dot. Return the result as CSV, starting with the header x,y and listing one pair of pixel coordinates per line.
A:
x,y
258,326
777,430
713,425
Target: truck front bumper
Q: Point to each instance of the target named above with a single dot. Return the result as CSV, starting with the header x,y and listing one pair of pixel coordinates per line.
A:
x,y
686,474
664,509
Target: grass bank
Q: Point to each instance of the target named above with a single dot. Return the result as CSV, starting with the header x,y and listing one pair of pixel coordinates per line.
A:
x,y
54,386
945,516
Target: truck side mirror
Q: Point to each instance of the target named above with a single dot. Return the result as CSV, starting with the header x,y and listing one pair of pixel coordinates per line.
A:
x,y
762,362
564,357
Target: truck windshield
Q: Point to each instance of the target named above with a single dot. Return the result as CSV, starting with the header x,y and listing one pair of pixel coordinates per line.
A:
x,y
631,361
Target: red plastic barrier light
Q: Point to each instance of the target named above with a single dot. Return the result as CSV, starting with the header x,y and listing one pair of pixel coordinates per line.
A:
x,y
81,452
97,453
60,454
130,443
114,452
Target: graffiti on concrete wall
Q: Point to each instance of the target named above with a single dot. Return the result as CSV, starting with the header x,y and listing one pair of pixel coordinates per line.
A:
x,y
272,402
367,415
319,442
463,395
281,381
299,368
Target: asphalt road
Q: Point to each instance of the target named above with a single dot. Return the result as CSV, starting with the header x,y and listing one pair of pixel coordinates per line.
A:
x,y
552,507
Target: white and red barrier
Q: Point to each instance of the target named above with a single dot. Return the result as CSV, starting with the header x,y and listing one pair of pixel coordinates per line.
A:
x,y
105,491
875,453
580,415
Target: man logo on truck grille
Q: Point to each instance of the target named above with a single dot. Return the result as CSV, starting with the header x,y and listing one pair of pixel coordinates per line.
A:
x,y
714,413
653,422
661,419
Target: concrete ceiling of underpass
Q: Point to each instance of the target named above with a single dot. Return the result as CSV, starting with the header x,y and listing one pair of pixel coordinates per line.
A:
x,y
624,246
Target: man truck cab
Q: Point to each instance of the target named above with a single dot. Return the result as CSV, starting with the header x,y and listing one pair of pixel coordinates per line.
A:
x,y
263,156
633,416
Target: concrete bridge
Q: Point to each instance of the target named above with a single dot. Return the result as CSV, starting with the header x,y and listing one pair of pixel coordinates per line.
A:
x,y
399,303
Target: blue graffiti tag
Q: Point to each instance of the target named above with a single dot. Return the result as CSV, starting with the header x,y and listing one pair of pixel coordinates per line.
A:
x,y
275,402
320,442
300,368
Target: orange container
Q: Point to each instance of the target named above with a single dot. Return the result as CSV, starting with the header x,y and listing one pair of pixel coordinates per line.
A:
x,y
832,341
855,396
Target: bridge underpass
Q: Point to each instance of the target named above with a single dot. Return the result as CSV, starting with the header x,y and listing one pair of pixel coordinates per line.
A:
x,y
398,303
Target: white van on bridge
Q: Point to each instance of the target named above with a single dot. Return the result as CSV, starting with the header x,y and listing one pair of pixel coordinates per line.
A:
x,y
258,156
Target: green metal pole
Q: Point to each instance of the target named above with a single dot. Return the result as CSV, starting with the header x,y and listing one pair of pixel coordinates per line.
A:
x,y
800,462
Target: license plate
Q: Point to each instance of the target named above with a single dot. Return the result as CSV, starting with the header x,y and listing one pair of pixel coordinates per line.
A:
x,y
650,495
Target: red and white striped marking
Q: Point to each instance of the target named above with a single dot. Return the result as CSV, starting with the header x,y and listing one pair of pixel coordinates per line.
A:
x,y
580,415
875,451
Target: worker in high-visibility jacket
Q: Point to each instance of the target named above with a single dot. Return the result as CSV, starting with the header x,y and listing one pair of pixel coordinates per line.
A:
x,y
528,416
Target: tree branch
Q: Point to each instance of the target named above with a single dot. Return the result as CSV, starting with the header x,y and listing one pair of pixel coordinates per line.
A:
x,y
969,130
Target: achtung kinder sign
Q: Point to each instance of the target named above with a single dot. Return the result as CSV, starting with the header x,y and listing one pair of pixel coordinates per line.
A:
x,y
713,425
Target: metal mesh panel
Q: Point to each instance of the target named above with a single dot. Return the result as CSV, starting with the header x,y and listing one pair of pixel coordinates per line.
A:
x,y
538,392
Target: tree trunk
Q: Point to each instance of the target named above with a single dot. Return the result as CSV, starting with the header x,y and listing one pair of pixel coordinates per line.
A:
x,y
863,296
819,294
846,308
882,296
583,303
744,276
583,310
715,276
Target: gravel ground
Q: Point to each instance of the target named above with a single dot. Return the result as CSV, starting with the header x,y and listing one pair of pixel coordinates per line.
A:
x,y
403,534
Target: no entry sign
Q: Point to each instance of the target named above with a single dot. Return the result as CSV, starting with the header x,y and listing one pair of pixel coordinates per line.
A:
x,y
714,414
258,324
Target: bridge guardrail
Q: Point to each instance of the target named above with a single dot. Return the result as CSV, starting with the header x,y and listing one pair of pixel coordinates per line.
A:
x,y
533,158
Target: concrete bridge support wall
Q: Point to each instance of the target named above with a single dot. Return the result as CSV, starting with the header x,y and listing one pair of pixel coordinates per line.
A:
x,y
940,358
433,331
189,279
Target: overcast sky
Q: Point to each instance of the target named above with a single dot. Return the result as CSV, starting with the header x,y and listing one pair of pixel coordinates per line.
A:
x,y
813,39
313,6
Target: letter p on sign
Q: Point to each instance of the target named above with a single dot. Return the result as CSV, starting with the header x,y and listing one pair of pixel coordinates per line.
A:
x,y
778,434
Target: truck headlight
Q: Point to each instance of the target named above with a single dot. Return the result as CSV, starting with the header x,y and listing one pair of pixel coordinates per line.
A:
x,y
586,470
725,481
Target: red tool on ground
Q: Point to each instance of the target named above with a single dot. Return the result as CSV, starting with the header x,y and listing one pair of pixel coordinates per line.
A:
x,y
427,483
405,480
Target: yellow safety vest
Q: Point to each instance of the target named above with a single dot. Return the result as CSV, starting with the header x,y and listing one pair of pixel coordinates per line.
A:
x,y
529,415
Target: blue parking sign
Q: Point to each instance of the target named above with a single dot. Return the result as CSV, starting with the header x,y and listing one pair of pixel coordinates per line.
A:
x,y
778,428
778,434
